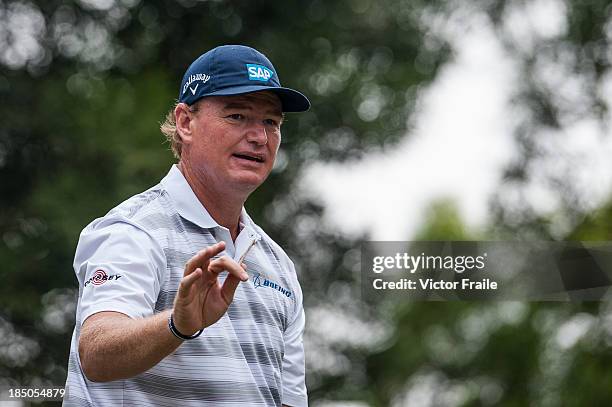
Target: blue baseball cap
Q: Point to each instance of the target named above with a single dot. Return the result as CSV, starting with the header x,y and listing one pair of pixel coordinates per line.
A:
x,y
235,70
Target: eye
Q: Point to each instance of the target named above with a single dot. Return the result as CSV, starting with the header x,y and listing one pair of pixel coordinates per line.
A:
x,y
271,122
236,116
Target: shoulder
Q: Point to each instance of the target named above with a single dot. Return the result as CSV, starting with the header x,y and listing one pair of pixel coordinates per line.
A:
x,y
148,211
127,223
140,205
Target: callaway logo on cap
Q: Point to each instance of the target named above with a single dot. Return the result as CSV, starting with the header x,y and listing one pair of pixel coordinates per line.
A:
x,y
234,70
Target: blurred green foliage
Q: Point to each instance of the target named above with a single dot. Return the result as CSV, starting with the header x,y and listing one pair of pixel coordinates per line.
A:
x,y
79,134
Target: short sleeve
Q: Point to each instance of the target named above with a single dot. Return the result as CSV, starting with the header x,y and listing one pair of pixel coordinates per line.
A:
x,y
119,267
294,380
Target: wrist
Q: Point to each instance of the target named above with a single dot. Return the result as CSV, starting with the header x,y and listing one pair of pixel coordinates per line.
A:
x,y
174,330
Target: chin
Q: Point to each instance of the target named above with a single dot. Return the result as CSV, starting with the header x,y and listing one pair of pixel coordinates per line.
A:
x,y
250,182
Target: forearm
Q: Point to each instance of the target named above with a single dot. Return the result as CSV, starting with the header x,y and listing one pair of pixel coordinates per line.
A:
x,y
113,346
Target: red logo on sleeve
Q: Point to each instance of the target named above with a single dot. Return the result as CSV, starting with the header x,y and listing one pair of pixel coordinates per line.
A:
x,y
100,277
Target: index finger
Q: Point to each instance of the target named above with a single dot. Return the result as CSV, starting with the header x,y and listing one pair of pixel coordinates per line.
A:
x,y
202,258
225,263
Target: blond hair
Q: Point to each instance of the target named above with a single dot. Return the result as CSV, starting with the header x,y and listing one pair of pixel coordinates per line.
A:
x,y
168,129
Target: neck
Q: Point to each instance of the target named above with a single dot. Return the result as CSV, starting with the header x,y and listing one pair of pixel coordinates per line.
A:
x,y
223,207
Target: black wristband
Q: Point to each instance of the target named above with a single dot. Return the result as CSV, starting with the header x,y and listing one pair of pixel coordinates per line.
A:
x,y
179,335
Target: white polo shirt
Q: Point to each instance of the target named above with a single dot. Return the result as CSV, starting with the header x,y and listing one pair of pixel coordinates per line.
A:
x,y
132,260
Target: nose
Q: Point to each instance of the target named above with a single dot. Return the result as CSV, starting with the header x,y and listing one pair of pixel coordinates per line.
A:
x,y
257,134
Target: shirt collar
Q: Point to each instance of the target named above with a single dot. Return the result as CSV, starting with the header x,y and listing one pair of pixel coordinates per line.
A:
x,y
187,203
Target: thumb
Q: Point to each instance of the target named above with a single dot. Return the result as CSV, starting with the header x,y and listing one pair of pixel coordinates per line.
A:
x,y
229,286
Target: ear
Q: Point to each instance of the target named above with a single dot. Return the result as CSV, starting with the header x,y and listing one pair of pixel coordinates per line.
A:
x,y
183,117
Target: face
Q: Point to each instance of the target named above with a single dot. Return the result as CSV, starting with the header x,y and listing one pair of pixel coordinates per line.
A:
x,y
230,142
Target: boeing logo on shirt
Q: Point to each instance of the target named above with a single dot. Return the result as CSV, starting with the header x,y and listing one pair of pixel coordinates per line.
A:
x,y
259,72
259,281
100,277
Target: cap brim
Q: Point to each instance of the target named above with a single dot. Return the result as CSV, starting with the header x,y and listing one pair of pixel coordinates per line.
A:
x,y
291,100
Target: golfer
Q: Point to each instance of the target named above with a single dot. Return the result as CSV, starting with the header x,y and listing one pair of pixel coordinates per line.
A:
x,y
183,299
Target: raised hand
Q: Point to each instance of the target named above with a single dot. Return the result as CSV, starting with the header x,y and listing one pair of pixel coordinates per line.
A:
x,y
201,300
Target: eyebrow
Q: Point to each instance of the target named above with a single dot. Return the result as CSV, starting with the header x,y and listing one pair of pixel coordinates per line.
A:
x,y
239,105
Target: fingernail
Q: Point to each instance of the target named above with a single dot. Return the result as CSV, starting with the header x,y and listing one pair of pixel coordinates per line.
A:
x,y
245,277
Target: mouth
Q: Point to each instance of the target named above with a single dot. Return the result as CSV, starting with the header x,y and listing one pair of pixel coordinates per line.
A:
x,y
258,158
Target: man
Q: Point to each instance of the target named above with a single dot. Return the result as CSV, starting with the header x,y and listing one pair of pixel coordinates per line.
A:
x,y
183,300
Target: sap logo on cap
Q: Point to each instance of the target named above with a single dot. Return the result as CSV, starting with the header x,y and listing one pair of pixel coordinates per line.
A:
x,y
259,72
